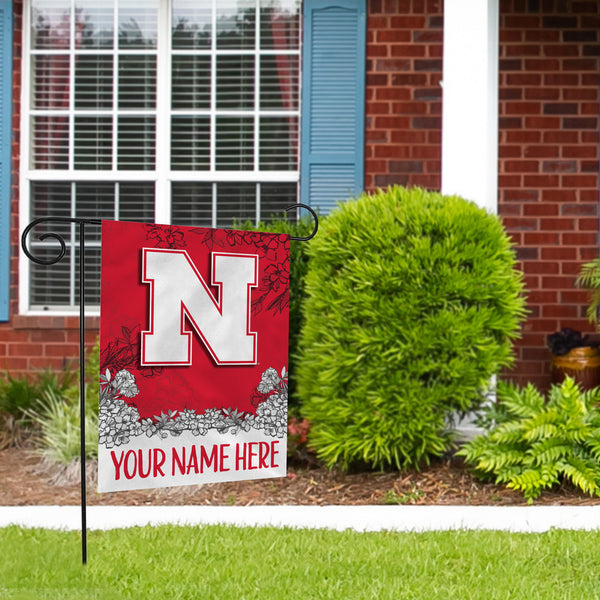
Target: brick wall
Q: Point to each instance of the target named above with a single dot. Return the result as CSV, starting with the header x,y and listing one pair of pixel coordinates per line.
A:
x,y
548,169
403,96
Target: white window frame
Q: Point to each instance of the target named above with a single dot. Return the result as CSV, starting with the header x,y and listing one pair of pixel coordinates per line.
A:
x,y
162,175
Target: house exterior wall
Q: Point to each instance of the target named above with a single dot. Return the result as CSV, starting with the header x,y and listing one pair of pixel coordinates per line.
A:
x,y
548,167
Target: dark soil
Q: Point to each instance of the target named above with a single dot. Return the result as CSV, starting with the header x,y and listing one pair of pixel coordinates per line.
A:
x,y
25,481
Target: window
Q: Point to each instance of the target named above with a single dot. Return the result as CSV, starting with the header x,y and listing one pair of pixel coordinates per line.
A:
x,y
179,111
185,112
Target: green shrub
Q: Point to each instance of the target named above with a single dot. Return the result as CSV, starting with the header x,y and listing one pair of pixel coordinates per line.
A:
x,y
532,443
298,268
413,302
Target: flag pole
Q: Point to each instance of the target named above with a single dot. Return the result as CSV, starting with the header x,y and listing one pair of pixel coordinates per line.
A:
x,y
62,250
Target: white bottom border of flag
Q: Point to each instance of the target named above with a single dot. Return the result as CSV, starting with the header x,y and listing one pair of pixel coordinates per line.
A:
x,y
186,459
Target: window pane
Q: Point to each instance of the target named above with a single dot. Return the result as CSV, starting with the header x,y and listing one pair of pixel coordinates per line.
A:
x,y
50,285
279,82
278,143
50,24
92,275
191,24
235,82
50,81
235,202
136,145
190,85
191,204
190,143
50,199
235,143
95,28
93,142
50,142
279,24
93,82
57,285
275,198
137,24
94,201
236,24
136,201
137,82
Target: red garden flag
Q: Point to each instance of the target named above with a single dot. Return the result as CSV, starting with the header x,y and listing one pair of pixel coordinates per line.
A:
x,y
193,355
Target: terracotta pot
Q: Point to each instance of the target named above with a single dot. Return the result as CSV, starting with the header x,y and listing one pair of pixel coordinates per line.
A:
x,y
582,364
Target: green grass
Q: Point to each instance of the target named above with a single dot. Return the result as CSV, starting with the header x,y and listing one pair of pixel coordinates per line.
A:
x,y
215,562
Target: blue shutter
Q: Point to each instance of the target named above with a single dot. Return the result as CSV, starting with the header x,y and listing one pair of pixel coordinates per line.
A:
x,y
5,151
333,102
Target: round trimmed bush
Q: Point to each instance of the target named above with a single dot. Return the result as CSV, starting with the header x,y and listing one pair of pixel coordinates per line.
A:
x,y
413,303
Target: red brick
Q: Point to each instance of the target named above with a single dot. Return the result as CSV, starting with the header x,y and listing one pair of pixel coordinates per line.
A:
x,y
589,224
574,296
526,79
580,123
408,136
580,94
521,166
540,267
62,350
392,93
580,239
392,151
519,136
520,195
579,151
25,349
579,181
560,311
542,239
560,137
579,209
542,93
541,209
543,122
542,297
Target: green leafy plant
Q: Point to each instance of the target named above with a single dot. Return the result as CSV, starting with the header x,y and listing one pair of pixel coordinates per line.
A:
x,y
58,422
20,394
589,278
533,443
413,301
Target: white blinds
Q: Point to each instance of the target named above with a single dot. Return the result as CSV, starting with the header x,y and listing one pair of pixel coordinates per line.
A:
x,y
194,116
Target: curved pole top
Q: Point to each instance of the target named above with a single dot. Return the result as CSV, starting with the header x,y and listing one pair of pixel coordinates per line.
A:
x,y
314,216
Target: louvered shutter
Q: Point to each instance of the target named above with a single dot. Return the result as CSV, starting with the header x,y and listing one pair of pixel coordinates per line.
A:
x,y
5,152
333,97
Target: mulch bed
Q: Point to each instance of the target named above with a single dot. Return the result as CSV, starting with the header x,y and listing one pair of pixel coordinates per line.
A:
x,y
25,481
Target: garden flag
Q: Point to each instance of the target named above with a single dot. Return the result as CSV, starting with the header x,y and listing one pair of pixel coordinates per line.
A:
x,y
193,355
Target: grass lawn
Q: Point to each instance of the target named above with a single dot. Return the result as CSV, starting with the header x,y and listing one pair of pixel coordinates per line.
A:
x,y
222,562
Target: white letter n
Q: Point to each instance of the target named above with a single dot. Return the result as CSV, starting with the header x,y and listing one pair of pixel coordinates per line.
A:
x,y
177,291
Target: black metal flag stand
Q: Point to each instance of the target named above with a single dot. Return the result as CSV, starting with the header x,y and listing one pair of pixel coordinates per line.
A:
x,y
62,250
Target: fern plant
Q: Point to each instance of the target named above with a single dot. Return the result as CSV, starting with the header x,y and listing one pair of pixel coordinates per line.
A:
x,y
533,443
589,278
